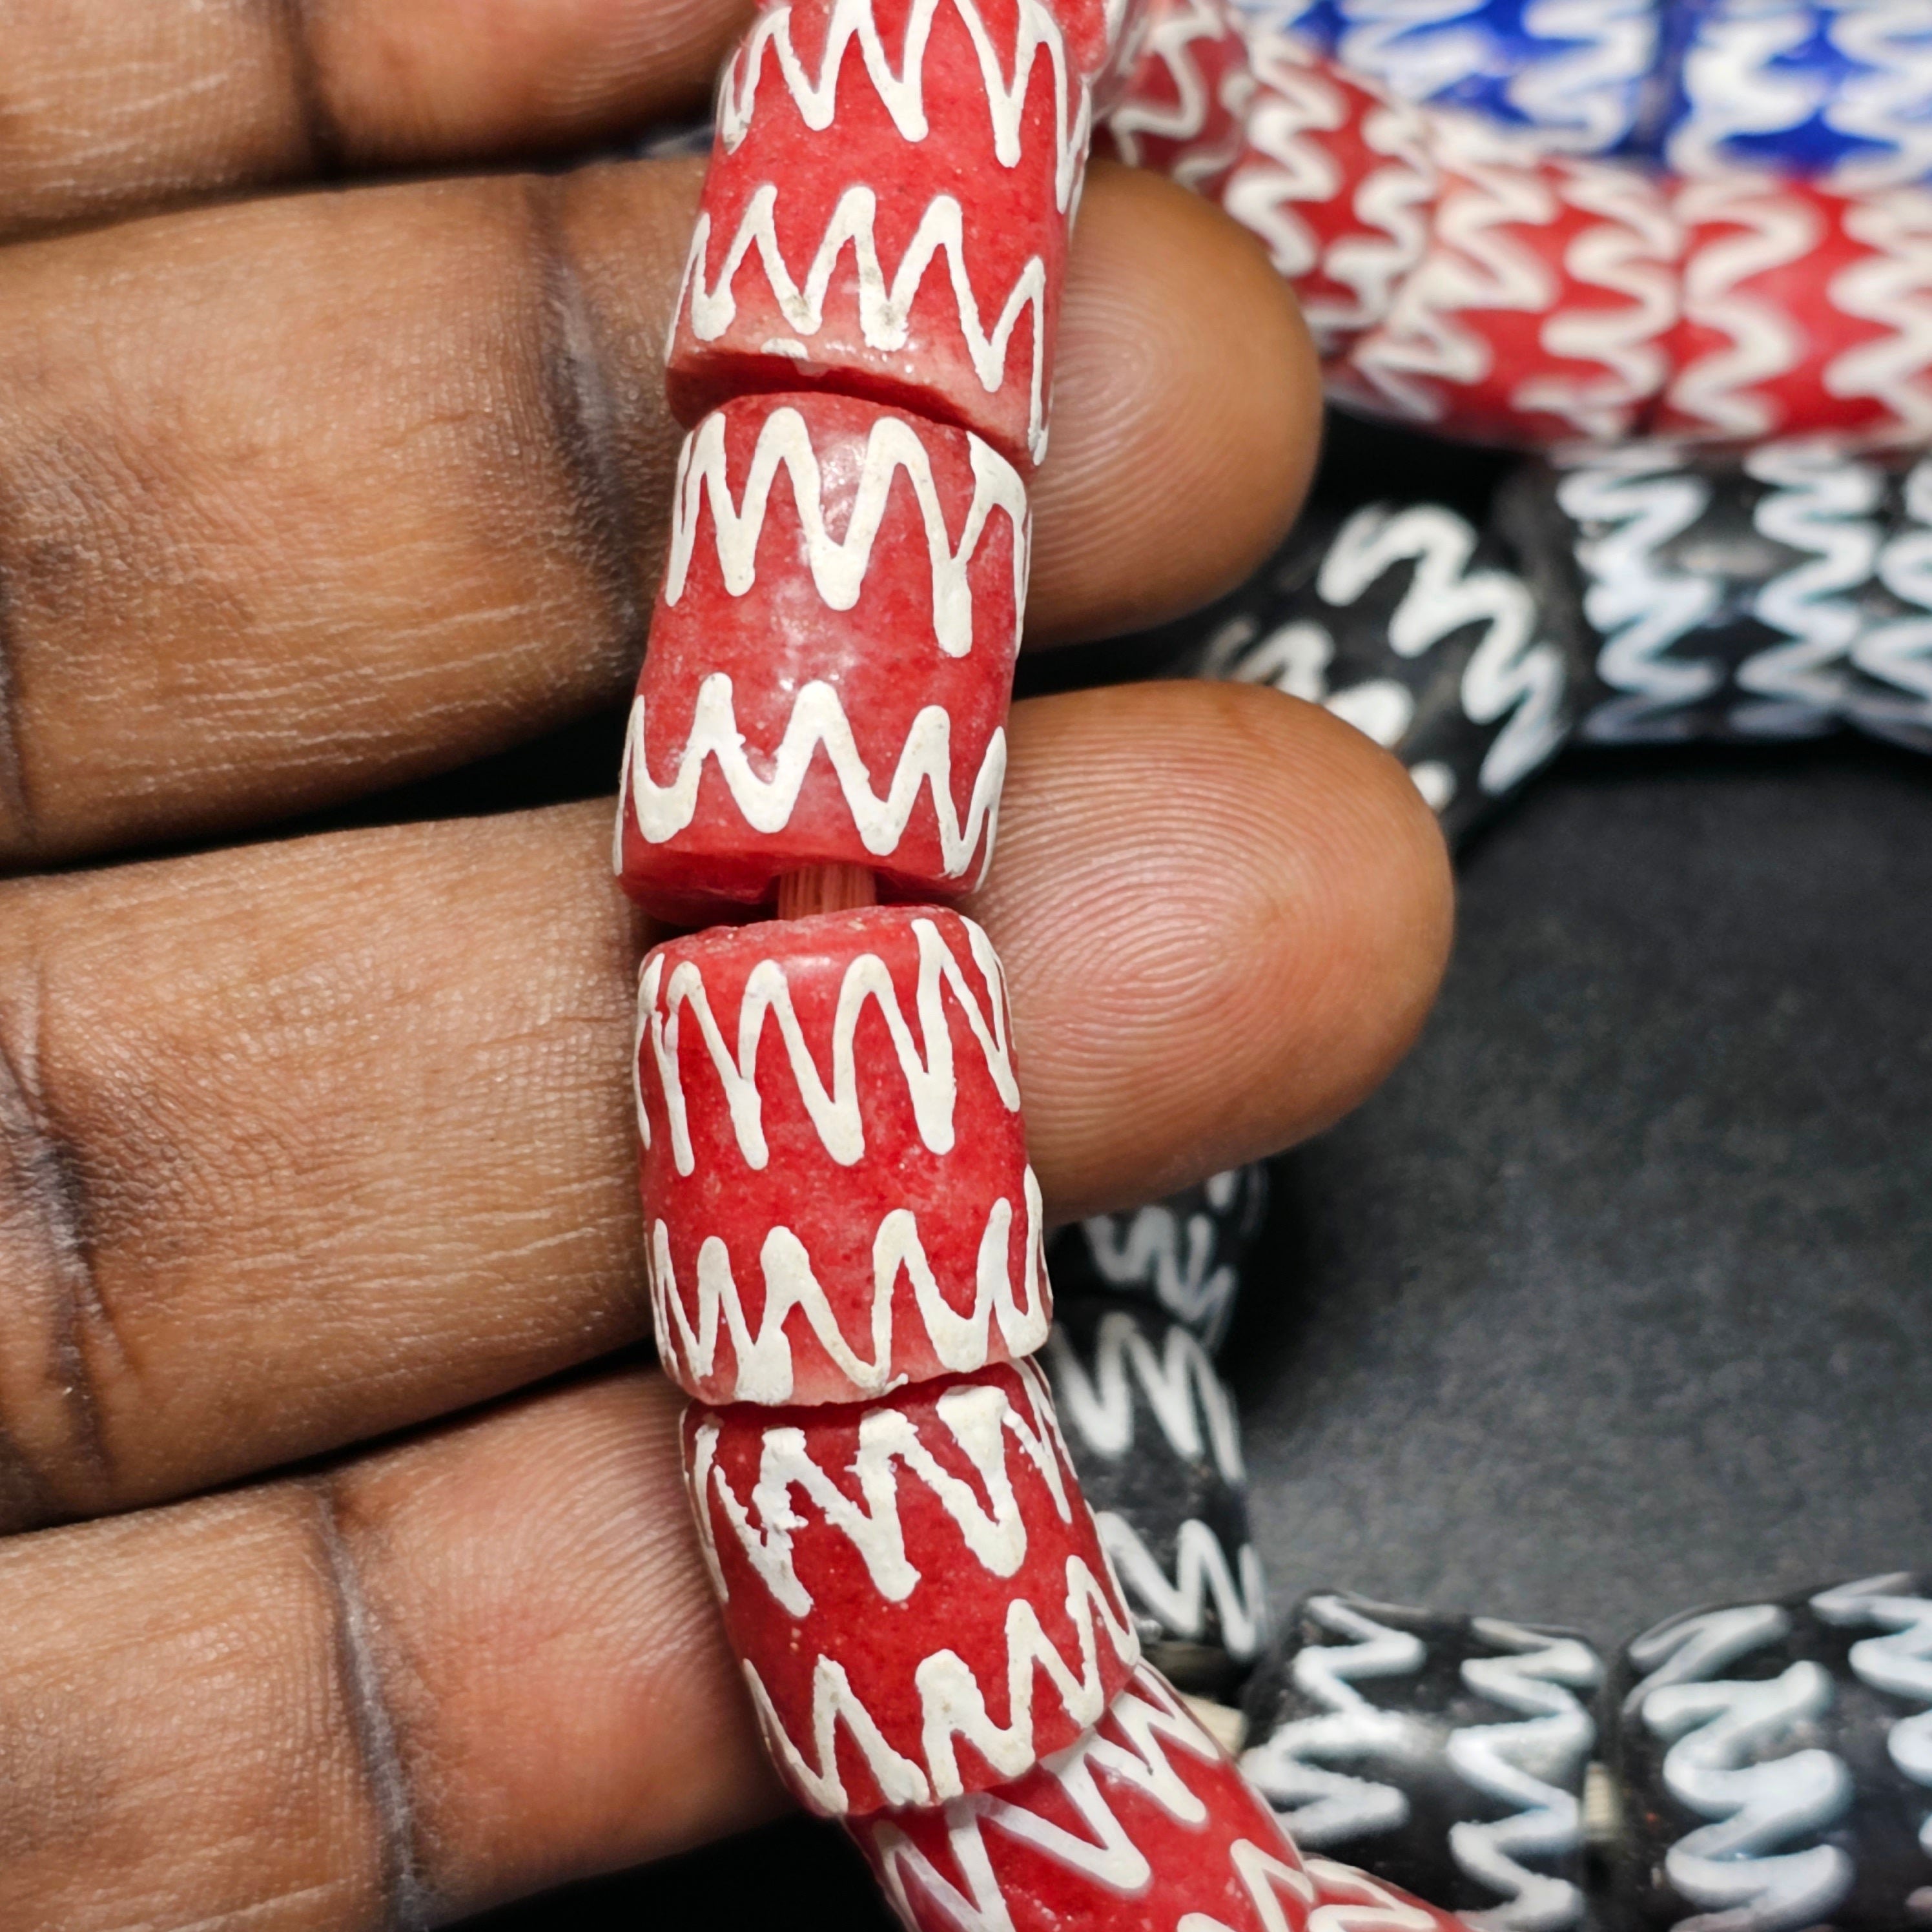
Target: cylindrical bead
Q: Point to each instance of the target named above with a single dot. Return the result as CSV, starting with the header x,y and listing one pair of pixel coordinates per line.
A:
x,y
915,1587
887,212
836,1194
831,658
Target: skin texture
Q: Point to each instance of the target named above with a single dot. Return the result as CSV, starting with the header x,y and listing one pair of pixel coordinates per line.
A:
x,y
307,1142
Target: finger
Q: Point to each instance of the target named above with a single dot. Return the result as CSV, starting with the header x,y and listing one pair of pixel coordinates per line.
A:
x,y
460,1670
300,1143
305,497
112,108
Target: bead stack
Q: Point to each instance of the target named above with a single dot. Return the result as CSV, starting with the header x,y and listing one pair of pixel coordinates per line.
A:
x,y
844,1239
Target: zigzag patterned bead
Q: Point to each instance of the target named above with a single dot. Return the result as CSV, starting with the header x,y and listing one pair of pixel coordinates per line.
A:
x,y
1186,103
831,658
1543,309
1446,1753
1838,91
1776,1763
915,1587
887,212
1334,179
1803,311
835,1189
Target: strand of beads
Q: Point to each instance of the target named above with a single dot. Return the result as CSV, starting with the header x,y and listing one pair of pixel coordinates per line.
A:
x,y
844,1238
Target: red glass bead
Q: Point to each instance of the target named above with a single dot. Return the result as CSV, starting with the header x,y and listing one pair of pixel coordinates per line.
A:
x,y
1803,311
1188,95
831,658
835,1189
915,1587
887,212
1543,309
1334,177
1145,1826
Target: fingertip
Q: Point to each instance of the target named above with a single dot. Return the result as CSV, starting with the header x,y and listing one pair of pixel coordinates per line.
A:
x,y
1187,410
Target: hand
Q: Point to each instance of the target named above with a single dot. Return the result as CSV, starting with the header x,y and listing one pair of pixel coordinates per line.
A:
x,y
304,1143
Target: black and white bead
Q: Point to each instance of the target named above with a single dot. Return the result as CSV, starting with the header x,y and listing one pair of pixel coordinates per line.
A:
x,y
1445,1753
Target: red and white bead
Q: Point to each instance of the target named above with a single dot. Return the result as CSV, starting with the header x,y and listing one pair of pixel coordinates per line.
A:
x,y
831,657
915,1586
1543,308
1335,178
887,212
1186,101
1804,311
836,1195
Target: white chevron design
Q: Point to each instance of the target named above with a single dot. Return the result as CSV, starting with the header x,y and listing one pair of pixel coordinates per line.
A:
x,y
1899,1664
903,93
1287,164
1363,1905
1264,1877
1201,1572
1179,1383
1632,250
763,1369
979,1418
1715,391
928,1072
884,308
1155,1247
1177,26
1893,288
925,769
1887,102
1475,262
1154,1723
1898,653
1510,675
1824,507
1582,95
1516,1764
839,564
1290,1768
1719,1765
1633,597
1734,86
953,1705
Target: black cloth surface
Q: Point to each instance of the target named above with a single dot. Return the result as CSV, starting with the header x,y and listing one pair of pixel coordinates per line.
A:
x,y
1615,1298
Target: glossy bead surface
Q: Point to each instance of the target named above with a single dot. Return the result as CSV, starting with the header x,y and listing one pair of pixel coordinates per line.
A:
x,y
1446,1754
831,658
835,1188
887,212
915,1587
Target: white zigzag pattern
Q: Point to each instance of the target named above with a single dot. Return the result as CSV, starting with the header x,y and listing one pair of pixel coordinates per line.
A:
x,y
1509,674
925,768
1177,26
1179,1383
1374,1908
1639,604
1719,1764
1893,288
763,1368
1899,1664
927,1063
1154,1247
1889,102
1202,1573
1823,507
1898,653
1583,97
1733,88
1632,251
884,309
1514,1764
1325,1806
903,93
1152,1719
952,1705
1286,164
839,564
979,1419
1716,389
